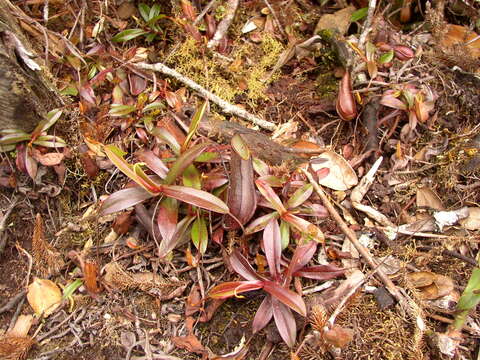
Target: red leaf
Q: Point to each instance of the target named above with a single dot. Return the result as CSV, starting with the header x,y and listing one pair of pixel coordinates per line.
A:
x,y
233,288
271,196
167,218
320,272
123,199
286,296
86,92
264,315
122,223
302,255
168,245
285,322
259,223
272,243
153,162
242,266
137,84
241,199
195,197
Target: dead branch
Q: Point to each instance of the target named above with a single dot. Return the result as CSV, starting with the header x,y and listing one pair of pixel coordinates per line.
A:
x,y
407,304
10,304
222,28
367,27
224,105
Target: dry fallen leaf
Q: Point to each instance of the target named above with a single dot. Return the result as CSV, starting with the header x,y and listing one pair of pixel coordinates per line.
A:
x,y
426,197
430,285
341,175
338,21
44,296
338,336
472,221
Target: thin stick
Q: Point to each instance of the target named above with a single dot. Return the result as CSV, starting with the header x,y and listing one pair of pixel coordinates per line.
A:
x,y
350,234
12,302
204,12
225,105
222,28
3,237
275,17
30,264
367,27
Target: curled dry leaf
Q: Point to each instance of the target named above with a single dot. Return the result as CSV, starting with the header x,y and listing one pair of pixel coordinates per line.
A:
x,y
341,175
431,286
338,336
44,296
426,197
472,221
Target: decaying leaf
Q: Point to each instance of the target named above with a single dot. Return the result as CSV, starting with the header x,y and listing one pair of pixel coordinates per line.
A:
x,y
431,286
90,276
44,296
339,21
341,175
472,221
426,197
337,336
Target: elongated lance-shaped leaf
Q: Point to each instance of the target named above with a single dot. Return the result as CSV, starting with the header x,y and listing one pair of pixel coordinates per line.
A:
x,y
195,197
304,226
184,161
166,136
200,234
168,245
167,218
320,272
302,255
271,196
300,196
197,117
50,141
153,162
44,125
263,316
286,296
124,199
285,322
243,267
133,172
272,243
10,139
259,223
234,288
241,198
284,234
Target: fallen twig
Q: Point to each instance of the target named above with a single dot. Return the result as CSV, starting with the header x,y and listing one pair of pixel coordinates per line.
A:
x,y
407,304
222,28
10,304
225,105
3,238
367,27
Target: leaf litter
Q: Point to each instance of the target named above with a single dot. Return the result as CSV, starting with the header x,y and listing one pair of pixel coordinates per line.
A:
x,y
167,186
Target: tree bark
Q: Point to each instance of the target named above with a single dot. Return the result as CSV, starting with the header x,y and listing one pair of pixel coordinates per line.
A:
x,y
25,94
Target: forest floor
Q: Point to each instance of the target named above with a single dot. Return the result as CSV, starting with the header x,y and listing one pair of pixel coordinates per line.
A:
x,y
317,160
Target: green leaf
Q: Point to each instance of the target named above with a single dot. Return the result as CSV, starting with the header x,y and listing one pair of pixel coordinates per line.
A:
x,y
150,37
69,90
284,234
153,20
387,57
120,109
154,106
50,141
14,138
133,172
240,147
144,10
192,177
7,148
184,161
197,117
200,234
70,288
471,295
154,11
128,34
359,14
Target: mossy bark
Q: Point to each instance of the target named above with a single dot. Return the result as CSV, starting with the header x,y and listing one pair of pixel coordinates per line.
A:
x,y
25,94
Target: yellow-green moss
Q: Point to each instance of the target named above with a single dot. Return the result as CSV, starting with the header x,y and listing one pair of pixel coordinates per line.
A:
x,y
252,65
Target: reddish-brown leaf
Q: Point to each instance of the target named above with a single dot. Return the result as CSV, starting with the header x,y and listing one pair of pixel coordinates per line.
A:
x,y
122,223
286,296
